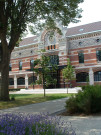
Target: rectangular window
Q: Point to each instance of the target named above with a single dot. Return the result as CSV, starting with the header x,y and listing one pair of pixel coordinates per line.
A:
x,y
81,57
20,65
98,54
54,46
10,67
54,60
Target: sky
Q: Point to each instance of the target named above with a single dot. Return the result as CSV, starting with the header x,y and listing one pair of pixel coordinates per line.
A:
x,y
91,12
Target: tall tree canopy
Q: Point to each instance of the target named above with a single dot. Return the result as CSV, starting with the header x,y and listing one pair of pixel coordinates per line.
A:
x,y
15,15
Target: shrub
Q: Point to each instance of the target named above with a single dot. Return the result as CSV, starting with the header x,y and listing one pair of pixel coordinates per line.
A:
x,y
86,101
17,89
43,124
12,97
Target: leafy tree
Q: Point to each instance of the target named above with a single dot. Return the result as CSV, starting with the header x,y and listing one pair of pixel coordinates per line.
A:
x,y
16,15
68,73
44,71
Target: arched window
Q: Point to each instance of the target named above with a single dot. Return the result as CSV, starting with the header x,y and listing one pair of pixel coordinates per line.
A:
x,y
82,77
98,54
97,76
32,64
11,81
20,65
81,57
32,79
21,81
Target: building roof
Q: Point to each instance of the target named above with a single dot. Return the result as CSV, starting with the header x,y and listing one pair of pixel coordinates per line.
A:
x,y
29,40
91,27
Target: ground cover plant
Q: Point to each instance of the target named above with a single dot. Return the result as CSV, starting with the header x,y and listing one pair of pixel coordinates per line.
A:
x,y
24,99
41,124
87,101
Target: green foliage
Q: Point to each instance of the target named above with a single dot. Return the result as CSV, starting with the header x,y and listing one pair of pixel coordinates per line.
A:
x,y
21,13
44,71
12,97
68,72
86,101
17,89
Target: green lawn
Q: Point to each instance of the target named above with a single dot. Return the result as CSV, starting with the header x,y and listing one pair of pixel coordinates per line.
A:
x,y
24,99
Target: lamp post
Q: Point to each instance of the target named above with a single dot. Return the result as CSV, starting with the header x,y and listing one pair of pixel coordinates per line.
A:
x,y
33,79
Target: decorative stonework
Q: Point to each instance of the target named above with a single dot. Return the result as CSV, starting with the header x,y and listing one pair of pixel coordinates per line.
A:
x,y
24,53
74,44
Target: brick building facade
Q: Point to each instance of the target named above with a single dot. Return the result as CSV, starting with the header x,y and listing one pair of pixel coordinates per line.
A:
x,y
82,44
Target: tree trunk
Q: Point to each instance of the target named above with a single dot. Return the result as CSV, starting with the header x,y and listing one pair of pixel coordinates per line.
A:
x,y
67,89
44,85
4,83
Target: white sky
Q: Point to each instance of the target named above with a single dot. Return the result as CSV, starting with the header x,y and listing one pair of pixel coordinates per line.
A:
x,y
91,12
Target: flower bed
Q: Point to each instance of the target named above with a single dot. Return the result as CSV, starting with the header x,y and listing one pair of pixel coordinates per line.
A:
x,y
42,124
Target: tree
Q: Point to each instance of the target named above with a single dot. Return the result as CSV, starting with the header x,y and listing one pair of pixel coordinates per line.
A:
x,y
16,15
68,73
44,71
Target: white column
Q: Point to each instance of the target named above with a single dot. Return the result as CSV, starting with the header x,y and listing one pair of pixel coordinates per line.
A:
x,y
91,77
26,81
15,81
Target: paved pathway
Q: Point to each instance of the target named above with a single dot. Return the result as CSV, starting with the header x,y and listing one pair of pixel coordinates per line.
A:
x,y
89,125
48,106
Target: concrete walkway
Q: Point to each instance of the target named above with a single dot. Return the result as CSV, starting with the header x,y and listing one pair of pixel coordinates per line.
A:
x,y
48,91
88,125
52,107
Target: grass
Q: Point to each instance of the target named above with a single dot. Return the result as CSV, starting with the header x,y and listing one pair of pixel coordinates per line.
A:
x,y
25,99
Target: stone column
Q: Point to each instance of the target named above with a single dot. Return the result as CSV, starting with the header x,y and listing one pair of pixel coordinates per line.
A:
x,y
15,81
26,81
91,77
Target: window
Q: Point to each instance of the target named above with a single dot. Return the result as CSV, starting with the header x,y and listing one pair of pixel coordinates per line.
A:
x,y
97,76
51,46
11,81
10,67
98,54
54,59
32,64
80,43
20,65
98,40
81,57
54,46
48,47
82,77
19,53
31,51
21,81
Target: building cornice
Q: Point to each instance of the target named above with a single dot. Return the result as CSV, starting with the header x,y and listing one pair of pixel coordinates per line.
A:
x,y
83,34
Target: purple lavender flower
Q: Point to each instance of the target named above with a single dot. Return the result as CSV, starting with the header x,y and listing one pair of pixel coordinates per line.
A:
x,y
26,124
